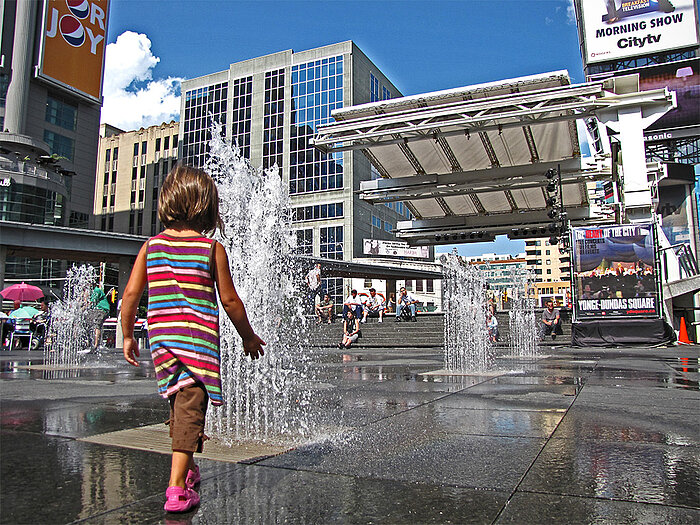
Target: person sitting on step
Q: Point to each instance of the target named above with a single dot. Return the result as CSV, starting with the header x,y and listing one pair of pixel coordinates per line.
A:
x,y
374,306
407,302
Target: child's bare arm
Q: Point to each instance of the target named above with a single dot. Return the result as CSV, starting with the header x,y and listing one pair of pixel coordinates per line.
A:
x,y
252,344
130,300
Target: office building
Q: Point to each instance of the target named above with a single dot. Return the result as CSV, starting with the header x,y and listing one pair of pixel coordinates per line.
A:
x,y
131,169
271,106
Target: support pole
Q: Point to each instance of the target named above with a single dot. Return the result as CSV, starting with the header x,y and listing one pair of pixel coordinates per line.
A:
x,y
18,88
637,194
125,264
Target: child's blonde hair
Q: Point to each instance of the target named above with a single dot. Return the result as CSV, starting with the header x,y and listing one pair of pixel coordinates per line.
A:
x,y
189,198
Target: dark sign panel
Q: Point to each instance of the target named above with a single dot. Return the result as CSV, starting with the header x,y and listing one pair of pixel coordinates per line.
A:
x,y
614,272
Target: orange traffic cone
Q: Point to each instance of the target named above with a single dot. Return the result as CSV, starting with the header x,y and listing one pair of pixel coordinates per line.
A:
x,y
683,334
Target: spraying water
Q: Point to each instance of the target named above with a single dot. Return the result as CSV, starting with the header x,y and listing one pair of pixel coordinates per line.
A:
x,y
467,346
69,331
522,320
268,399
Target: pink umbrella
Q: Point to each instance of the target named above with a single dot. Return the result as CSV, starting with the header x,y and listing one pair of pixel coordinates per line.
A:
x,y
22,292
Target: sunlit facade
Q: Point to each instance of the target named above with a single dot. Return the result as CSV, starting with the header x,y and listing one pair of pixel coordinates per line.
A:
x,y
270,107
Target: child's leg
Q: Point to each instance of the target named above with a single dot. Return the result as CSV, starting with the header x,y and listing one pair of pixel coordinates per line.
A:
x,y
188,410
182,461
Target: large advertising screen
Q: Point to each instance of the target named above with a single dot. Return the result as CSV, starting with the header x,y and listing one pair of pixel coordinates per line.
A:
x,y
73,44
614,29
615,272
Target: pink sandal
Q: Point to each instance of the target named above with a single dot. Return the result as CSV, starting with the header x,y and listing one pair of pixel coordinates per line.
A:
x,y
193,477
180,500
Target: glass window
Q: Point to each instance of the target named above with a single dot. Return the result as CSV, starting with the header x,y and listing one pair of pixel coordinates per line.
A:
x,y
373,88
166,143
322,211
305,242
59,144
199,105
61,112
331,242
4,84
312,104
158,144
273,122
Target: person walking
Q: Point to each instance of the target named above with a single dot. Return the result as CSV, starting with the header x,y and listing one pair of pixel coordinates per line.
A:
x,y
184,269
96,315
313,281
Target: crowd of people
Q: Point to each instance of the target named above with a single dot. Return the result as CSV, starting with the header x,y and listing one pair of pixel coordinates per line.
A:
x,y
357,308
14,321
620,280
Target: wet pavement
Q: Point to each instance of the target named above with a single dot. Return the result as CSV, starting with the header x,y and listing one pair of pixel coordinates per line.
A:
x,y
579,436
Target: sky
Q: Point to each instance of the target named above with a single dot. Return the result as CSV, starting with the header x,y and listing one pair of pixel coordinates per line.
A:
x,y
420,46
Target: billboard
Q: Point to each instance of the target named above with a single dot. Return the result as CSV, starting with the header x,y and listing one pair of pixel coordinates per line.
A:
x,y
615,29
73,45
615,272
394,248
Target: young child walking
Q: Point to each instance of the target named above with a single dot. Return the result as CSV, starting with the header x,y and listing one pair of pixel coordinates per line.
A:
x,y
183,269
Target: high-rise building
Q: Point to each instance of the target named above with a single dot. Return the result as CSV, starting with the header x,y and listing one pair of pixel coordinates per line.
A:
x,y
552,269
132,166
271,106
50,98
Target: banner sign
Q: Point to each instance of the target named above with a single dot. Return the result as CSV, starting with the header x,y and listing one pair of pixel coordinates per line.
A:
x,y
615,29
73,45
394,248
614,272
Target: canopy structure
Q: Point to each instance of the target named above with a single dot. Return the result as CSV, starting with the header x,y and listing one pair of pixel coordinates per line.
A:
x,y
470,163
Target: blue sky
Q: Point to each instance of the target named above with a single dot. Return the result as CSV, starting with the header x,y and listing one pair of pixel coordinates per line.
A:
x,y
420,45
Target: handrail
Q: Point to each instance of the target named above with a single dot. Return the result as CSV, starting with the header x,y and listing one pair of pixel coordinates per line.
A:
x,y
686,259
35,171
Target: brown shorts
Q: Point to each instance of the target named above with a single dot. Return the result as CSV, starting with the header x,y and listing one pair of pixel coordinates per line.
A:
x,y
188,408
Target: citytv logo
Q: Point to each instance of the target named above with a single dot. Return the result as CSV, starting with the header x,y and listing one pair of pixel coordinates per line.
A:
x,y
74,27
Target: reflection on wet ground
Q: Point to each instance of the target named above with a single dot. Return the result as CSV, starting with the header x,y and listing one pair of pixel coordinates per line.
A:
x,y
581,435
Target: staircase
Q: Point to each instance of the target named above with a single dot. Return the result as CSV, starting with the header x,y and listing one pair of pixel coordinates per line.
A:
x,y
426,332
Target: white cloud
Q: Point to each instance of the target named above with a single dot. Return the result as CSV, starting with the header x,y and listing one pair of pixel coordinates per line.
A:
x,y
132,98
570,13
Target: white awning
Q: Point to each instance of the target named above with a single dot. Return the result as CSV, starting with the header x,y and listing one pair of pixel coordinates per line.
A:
x,y
470,162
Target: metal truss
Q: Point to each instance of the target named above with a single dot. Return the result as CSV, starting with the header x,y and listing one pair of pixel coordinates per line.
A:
x,y
506,179
562,103
480,228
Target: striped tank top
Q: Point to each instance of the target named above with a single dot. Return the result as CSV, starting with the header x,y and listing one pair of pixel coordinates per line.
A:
x,y
183,314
